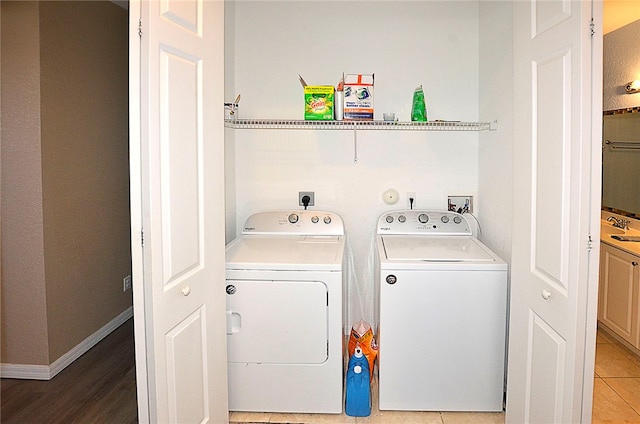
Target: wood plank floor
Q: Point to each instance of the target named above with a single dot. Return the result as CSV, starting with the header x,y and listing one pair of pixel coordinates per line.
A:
x,y
99,387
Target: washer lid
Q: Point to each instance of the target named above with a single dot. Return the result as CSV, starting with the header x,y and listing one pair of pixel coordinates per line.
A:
x,y
435,249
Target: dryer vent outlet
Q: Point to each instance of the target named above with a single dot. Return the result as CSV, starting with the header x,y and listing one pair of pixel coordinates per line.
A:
x,y
302,199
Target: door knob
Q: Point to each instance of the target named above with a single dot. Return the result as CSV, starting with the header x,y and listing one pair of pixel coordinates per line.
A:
x,y
634,263
546,294
186,291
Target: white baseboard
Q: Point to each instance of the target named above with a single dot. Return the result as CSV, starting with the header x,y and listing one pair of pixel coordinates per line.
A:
x,y
47,372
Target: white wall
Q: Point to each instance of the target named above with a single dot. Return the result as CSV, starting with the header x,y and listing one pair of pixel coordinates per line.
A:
x,y
229,136
495,169
405,44
621,62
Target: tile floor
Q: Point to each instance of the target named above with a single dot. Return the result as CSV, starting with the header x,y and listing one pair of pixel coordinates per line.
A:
x,y
616,398
616,389
379,417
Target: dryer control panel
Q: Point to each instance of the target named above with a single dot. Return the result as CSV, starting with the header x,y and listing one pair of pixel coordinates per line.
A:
x,y
423,222
294,222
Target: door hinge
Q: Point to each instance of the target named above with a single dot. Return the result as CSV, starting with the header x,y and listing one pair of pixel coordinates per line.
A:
x,y
589,244
592,27
142,238
140,27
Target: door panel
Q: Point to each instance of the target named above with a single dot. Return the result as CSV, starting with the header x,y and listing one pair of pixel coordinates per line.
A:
x,y
548,352
181,147
186,356
177,178
553,270
551,170
186,14
548,14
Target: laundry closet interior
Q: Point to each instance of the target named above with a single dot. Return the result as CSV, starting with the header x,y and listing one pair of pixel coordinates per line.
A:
x,y
461,55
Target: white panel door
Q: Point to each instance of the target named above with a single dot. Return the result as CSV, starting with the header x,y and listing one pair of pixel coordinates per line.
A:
x,y
556,185
178,209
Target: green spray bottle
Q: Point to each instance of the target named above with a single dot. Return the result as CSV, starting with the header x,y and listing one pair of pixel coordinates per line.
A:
x,y
419,106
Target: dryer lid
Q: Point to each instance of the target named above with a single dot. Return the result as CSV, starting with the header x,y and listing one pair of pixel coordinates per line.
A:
x,y
435,249
292,252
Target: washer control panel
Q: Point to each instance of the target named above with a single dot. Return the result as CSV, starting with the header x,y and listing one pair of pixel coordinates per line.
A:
x,y
291,222
423,222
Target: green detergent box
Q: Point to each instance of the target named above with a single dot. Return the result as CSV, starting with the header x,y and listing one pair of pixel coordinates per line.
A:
x,y
318,102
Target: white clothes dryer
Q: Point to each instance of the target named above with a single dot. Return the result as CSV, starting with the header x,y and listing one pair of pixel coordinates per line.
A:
x,y
441,313
285,289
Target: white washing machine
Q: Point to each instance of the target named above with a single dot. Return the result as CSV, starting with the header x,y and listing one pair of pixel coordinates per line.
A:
x,y
441,313
285,291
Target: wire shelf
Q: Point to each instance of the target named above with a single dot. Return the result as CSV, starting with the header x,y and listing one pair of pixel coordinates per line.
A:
x,y
289,124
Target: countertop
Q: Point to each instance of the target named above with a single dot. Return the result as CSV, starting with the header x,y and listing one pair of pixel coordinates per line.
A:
x,y
607,229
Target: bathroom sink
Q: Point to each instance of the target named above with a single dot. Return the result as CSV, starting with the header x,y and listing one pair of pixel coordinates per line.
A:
x,y
608,229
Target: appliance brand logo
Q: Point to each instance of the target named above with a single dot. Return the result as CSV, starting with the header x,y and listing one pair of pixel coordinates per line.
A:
x,y
385,228
249,228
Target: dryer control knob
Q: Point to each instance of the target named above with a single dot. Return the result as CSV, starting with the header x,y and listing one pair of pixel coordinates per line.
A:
x,y
293,218
389,219
423,218
444,219
402,218
457,219
327,219
315,219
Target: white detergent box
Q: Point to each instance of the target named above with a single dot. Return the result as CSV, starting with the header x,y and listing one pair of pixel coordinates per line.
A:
x,y
358,97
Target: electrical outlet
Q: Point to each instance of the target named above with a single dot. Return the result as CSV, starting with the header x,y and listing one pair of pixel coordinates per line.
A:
x,y
126,283
411,195
462,204
301,195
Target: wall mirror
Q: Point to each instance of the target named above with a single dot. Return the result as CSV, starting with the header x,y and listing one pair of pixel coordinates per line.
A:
x,y
621,162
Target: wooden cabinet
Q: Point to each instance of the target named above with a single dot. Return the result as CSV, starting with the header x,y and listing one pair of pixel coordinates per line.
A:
x,y
619,292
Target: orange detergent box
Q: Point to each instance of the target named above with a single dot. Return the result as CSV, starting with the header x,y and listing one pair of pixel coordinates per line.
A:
x,y
358,97
318,102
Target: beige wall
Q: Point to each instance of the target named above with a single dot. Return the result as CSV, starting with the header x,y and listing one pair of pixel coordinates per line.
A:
x,y
621,64
24,322
82,164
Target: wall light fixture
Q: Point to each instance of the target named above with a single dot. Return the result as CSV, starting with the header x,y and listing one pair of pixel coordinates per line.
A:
x,y
633,87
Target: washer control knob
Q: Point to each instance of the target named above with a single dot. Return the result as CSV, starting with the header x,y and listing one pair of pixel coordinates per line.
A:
x,y
315,219
391,279
444,219
327,219
457,219
389,219
423,218
293,218
402,218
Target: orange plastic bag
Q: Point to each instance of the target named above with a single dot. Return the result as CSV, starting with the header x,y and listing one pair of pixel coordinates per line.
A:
x,y
362,335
